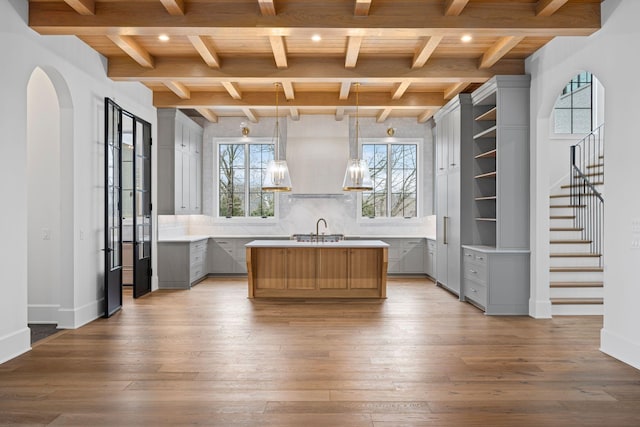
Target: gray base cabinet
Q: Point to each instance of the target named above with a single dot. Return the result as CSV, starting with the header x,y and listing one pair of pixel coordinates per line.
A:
x,y
430,259
181,264
228,256
405,255
492,279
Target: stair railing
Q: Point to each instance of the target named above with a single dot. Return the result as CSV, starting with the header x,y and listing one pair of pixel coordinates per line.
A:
x,y
587,170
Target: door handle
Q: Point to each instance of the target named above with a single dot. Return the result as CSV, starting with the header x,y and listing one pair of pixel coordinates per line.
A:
x,y
107,250
444,219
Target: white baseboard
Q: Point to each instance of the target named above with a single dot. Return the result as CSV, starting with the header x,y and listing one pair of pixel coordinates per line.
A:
x,y
14,344
619,347
540,309
74,318
42,313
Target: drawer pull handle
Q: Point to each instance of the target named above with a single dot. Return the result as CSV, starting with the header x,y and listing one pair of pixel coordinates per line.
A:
x,y
473,271
474,290
469,255
480,258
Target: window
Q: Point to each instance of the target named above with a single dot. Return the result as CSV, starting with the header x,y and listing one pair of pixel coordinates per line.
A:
x,y
573,112
240,173
394,171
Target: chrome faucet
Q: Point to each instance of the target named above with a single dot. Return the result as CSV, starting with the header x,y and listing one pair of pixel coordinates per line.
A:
x,y
318,225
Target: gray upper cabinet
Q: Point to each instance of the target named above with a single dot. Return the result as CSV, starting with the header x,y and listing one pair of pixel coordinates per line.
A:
x,y
179,163
453,139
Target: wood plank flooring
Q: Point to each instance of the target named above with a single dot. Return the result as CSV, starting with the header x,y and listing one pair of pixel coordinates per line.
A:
x,y
211,356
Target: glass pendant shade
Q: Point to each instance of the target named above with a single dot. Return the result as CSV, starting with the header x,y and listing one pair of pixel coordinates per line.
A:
x,y
277,177
357,176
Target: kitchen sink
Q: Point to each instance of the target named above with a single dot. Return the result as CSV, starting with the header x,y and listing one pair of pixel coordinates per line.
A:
x,y
315,238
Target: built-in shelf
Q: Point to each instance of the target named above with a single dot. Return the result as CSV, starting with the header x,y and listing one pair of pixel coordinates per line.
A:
x,y
486,219
487,154
489,115
488,133
486,198
486,175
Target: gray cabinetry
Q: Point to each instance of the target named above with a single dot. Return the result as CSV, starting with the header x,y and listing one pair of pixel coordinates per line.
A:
x,y
228,255
181,264
453,139
405,255
430,258
179,163
496,261
492,279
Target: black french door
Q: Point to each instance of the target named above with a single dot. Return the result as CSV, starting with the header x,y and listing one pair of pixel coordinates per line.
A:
x,y
123,130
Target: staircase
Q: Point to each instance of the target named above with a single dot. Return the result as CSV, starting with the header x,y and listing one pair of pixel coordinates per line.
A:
x,y
576,266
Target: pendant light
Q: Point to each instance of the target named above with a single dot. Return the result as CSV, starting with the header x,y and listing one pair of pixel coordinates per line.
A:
x,y
357,176
277,174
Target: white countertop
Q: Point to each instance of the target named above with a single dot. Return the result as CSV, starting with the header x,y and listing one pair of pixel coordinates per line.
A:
x,y
183,239
294,244
196,238
492,249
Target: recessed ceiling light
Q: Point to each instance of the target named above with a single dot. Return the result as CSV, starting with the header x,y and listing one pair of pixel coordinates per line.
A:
x,y
163,38
316,37
466,38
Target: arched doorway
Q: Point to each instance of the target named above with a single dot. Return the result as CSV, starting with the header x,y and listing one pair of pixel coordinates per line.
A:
x,y
50,232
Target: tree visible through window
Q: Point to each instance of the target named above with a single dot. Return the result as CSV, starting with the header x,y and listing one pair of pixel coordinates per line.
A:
x,y
573,112
240,175
394,171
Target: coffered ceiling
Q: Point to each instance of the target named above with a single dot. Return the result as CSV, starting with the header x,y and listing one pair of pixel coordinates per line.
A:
x,y
223,57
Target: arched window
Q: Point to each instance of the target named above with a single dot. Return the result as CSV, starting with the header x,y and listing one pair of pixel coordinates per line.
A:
x,y
573,112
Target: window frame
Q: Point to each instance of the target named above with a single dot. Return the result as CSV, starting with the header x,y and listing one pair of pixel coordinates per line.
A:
x,y
246,141
418,142
593,90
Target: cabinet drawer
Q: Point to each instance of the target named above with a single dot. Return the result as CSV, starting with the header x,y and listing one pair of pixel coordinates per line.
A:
x,y
431,245
198,247
196,272
475,271
473,256
477,292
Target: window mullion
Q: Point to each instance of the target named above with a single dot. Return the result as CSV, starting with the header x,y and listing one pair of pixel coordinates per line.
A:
x,y
389,179
247,202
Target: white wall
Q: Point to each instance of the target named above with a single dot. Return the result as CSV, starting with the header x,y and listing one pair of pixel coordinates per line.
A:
x,y
79,76
311,142
607,55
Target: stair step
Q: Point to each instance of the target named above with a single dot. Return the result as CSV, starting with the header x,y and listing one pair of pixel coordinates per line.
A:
x,y
580,185
565,229
574,255
562,217
569,242
590,174
577,301
567,206
563,196
597,165
576,284
576,269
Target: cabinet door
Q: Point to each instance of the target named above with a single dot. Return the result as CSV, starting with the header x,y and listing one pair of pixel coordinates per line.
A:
x,y
301,268
441,225
453,157
394,265
220,256
333,268
364,272
194,161
413,256
269,266
442,148
453,231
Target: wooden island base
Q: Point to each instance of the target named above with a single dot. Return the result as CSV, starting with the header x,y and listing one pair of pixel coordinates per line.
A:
x,y
286,269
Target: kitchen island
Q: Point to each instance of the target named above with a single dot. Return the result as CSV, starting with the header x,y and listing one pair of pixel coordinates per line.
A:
x,y
343,269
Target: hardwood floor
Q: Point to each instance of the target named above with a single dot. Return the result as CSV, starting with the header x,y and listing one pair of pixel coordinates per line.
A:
x,y
210,356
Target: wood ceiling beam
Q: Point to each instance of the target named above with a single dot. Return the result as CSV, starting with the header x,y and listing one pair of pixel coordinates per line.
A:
x,y
134,50
174,7
362,7
345,87
238,19
382,116
454,7
309,70
262,100
206,50
454,90
233,90
83,7
179,89
353,50
279,51
427,46
287,87
498,50
549,7
207,114
399,90
267,7
250,114
425,116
